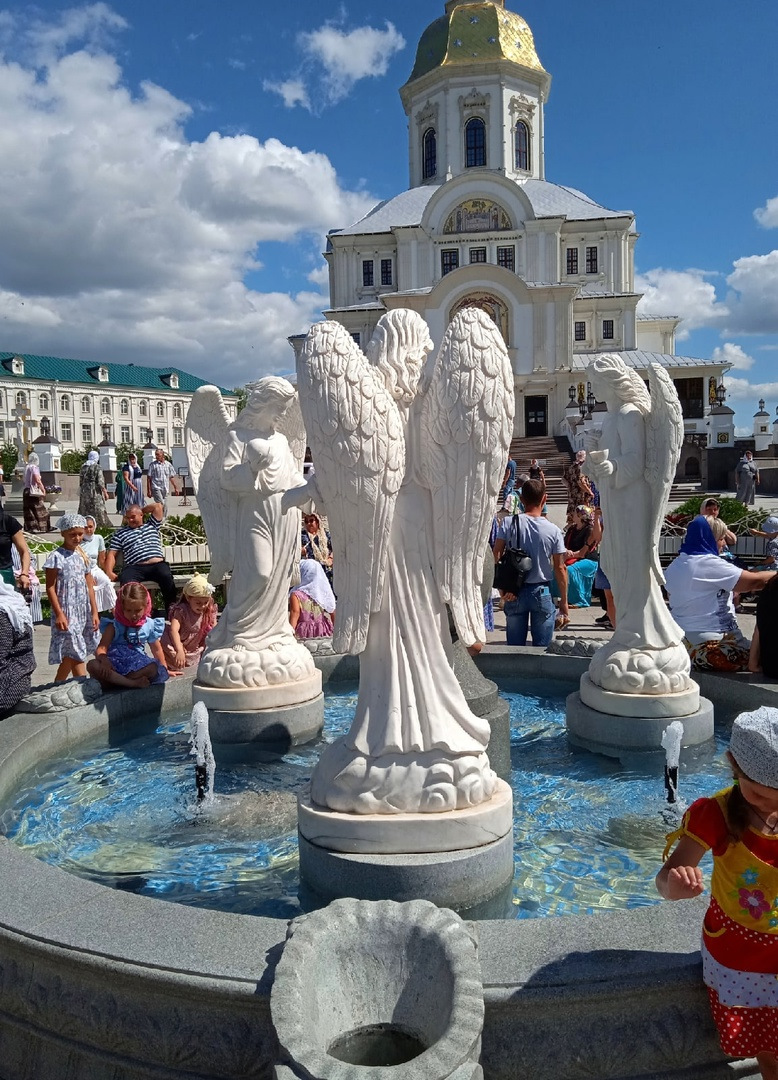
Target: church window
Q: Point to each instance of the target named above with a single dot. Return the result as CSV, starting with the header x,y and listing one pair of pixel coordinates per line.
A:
x,y
430,154
160,408
690,395
143,408
86,404
386,271
591,260
607,329
178,437
506,258
367,272
125,434
449,260
475,143
177,412
580,331
478,255
124,407
66,431
105,406
21,398
43,402
86,435
64,403
572,260
522,146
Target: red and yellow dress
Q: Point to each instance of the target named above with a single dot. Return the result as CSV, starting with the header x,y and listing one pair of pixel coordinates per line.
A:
x,y
740,930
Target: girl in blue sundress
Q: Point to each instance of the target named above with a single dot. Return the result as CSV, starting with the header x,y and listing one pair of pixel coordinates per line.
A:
x,y
121,658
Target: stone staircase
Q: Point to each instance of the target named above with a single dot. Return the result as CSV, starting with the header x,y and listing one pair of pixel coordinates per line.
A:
x,y
553,454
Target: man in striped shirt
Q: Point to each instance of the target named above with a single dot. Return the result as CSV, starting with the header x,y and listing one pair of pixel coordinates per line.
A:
x,y
141,547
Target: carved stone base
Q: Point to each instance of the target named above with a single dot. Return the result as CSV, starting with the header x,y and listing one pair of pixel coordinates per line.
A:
x,y
624,669
684,703
454,879
243,736
237,667
256,698
622,736
405,833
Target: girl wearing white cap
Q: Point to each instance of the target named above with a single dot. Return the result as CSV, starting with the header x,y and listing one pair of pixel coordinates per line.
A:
x,y
740,931
71,593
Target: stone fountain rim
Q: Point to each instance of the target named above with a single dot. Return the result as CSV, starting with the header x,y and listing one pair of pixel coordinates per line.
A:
x,y
45,909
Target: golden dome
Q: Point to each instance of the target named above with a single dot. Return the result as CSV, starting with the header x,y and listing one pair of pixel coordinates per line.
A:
x,y
473,33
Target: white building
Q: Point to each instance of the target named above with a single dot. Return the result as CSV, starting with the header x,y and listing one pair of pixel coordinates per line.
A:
x,y
480,224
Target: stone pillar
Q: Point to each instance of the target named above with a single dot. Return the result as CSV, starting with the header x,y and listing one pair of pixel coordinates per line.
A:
x,y
763,435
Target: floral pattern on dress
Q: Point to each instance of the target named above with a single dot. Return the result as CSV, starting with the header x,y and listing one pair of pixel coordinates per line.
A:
x,y
754,901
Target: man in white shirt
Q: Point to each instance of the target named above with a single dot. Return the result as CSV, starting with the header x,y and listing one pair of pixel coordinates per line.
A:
x,y
543,541
159,473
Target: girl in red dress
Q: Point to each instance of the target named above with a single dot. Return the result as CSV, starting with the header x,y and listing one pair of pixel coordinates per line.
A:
x,y
740,930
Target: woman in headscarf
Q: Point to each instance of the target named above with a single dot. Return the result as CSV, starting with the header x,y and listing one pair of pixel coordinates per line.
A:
x,y
36,514
17,659
93,546
132,483
316,543
581,557
312,603
92,492
700,585
579,490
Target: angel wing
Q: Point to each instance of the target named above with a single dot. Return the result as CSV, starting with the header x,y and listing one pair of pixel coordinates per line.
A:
x,y
355,433
664,437
292,426
466,429
207,423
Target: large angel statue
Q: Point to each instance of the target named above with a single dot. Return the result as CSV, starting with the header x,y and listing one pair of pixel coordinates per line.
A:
x,y
240,472
634,465
409,455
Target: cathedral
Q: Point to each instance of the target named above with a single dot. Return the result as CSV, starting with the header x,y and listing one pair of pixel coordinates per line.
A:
x,y
481,225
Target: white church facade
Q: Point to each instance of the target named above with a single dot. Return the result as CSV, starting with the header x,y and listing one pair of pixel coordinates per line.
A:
x,y
480,224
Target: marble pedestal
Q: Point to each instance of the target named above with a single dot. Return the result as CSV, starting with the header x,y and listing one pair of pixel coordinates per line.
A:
x,y
621,725
248,722
456,859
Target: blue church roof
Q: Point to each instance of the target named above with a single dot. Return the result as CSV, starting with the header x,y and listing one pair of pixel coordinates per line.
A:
x,y
134,376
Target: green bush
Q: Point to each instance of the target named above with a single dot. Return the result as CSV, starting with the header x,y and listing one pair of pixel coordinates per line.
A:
x,y
72,461
9,456
193,523
730,509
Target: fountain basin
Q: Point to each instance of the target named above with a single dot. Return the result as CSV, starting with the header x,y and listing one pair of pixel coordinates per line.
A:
x,y
97,983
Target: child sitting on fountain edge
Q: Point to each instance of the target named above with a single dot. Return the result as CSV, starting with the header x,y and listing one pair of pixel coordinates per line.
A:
x,y
740,929
121,658
190,620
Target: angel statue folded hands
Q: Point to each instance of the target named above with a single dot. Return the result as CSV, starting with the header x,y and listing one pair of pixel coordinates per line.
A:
x,y
634,466
409,454
241,471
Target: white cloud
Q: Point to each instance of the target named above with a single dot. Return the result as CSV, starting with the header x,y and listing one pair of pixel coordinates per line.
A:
x,y
767,215
743,390
123,239
320,276
753,300
292,91
732,354
687,293
333,61
238,65
347,57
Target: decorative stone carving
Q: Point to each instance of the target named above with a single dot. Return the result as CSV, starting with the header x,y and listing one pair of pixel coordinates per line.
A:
x,y
633,463
521,108
240,471
378,985
569,645
428,116
57,697
409,458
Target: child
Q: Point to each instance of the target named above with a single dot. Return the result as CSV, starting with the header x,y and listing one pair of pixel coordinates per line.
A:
x,y
74,618
740,930
121,658
312,603
190,620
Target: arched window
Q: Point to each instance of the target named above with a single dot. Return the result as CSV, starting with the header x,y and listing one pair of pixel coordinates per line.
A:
x,y
160,408
522,146
176,412
124,407
475,143
43,402
86,404
105,406
64,403
143,408
21,398
430,154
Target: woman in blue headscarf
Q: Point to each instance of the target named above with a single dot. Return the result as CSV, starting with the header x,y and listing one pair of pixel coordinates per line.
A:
x,y
700,585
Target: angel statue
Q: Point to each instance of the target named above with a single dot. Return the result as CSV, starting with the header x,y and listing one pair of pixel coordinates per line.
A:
x,y
240,471
409,454
634,465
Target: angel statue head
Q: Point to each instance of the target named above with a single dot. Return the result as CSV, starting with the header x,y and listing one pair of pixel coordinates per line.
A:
x,y
269,398
612,378
399,347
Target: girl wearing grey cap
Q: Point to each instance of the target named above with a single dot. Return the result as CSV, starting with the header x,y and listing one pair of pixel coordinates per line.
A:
x,y
740,931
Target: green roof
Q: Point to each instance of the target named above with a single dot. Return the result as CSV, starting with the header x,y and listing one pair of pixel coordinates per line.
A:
x,y
56,368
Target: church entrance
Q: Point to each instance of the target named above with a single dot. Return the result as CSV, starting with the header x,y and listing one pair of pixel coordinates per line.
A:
x,y
536,416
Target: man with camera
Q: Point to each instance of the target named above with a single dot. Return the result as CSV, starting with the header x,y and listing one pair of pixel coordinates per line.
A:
x,y
532,608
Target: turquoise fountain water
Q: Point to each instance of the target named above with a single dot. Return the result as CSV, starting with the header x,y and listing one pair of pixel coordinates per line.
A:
x,y
588,832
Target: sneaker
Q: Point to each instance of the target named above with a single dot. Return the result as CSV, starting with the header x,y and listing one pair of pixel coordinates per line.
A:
x,y
603,619
604,624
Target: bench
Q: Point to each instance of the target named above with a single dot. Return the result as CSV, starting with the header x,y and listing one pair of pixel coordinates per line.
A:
x,y
748,549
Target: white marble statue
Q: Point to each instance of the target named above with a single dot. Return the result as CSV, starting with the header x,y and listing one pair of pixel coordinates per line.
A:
x,y
409,455
240,471
633,464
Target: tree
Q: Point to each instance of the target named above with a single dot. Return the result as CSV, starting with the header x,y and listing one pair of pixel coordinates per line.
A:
x,y
8,456
242,394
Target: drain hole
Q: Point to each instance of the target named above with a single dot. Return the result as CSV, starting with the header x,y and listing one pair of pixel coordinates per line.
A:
x,y
377,1045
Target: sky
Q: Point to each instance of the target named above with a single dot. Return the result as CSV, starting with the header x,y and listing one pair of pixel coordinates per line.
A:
x,y
170,169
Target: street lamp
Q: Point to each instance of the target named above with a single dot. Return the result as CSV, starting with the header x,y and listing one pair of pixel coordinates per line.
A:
x,y
582,407
149,435
591,400
106,430
571,394
45,426
721,393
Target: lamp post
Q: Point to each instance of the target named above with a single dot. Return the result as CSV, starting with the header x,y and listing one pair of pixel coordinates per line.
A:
x,y
571,394
591,400
721,393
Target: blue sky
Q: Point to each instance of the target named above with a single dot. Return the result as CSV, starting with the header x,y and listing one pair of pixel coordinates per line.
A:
x,y
170,169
